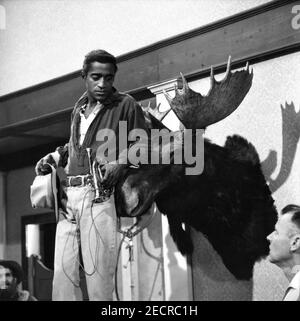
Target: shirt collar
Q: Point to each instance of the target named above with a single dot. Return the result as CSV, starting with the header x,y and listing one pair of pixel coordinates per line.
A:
x,y
295,283
95,109
114,96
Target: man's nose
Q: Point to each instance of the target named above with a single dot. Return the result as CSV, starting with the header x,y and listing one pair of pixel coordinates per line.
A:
x,y
101,82
269,237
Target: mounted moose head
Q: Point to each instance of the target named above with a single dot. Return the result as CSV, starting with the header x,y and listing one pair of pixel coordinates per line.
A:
x,y
230,202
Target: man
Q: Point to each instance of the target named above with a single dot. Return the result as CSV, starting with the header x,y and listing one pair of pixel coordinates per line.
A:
x,y
87,227
285,249
11,276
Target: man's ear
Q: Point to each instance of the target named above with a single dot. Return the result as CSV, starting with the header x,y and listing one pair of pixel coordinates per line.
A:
x,y
295,243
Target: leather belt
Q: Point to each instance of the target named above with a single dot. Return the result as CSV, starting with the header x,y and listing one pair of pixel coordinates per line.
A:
x,y
79,181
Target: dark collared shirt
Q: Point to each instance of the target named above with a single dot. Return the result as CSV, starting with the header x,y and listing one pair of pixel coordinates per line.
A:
x,y
117,107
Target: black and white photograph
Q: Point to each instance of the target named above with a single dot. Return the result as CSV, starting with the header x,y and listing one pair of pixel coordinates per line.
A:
x,y
149,153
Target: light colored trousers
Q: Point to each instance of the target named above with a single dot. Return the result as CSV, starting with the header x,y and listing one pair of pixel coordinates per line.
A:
x,y
93,227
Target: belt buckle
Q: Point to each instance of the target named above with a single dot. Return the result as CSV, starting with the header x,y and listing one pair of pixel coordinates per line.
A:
x,y
69,181
82,181
73,179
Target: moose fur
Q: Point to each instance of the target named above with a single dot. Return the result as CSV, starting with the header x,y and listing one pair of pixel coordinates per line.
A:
x,y
230,202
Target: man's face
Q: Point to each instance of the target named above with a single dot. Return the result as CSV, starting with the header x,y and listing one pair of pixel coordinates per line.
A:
x,y
281,240
8,283
99,80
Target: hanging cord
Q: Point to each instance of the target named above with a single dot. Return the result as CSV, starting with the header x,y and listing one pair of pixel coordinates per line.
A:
x,y
116,268
129,234
78,235
98,236
154,281
159,262
93,170
63,266
98,240
75,238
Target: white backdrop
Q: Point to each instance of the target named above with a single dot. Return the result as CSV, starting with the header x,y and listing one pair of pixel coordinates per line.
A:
x,y
259,119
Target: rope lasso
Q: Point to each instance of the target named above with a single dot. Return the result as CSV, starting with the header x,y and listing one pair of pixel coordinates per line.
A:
x,y
130,235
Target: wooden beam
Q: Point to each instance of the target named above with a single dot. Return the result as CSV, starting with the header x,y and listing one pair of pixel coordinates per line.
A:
x,y
29,157
44,138
63,116
263,32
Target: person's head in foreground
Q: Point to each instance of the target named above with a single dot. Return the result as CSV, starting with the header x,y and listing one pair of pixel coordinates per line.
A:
x,y
11,276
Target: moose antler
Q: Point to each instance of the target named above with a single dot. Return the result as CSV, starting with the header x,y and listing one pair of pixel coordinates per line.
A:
x,y
160,115
223,98
154,116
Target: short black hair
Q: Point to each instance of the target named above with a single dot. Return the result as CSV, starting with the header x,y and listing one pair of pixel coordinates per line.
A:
x,y
100,56
15,269
295,211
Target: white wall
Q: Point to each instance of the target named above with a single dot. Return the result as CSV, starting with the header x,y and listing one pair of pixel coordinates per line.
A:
x,y
275,82
259,120
44,39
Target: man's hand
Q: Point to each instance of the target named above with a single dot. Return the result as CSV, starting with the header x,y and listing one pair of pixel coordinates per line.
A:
x,y
113,172
52,159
